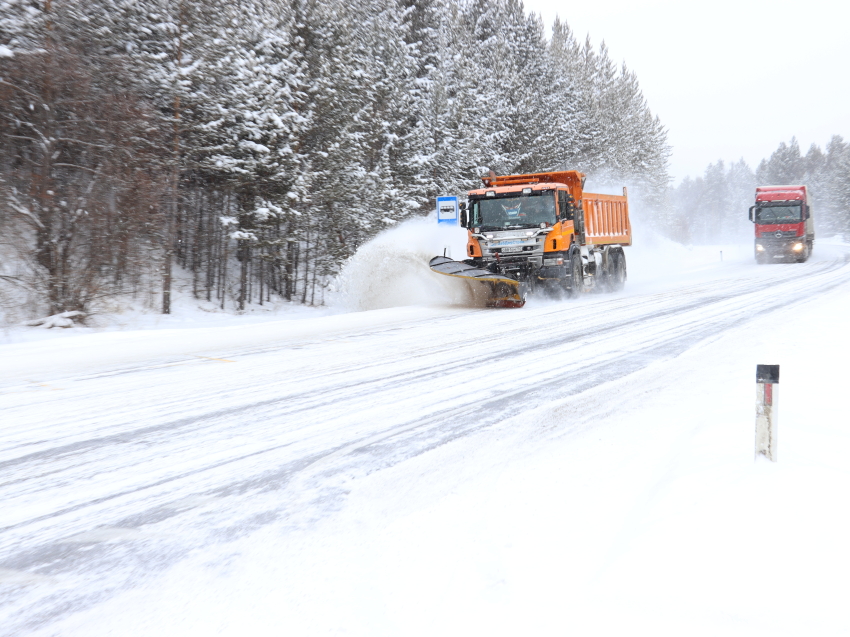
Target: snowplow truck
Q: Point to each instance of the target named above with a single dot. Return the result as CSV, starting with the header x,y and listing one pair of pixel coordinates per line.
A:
x,y
540,231
783,222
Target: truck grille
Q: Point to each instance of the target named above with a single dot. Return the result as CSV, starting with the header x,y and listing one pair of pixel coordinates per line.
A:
x,y
780,234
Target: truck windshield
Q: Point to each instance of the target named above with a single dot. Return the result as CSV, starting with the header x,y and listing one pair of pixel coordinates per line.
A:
x,y
524,211
780,213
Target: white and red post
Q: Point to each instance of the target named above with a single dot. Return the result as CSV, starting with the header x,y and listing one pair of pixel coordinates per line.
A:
x,y
767,395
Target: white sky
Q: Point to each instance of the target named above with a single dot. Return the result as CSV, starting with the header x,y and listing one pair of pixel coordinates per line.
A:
x,y
729,79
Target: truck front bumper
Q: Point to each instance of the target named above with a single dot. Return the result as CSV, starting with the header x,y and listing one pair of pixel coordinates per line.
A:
x,y
780,248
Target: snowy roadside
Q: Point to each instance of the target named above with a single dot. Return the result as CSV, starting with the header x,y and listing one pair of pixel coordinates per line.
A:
x,y
188,313
405,290
391,271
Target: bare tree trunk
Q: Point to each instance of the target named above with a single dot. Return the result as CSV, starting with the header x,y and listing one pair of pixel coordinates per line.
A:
x,y
260,273
250,278
306,266
196,242
168,252
243,273
224,272
175,180
212,257
296,264
313,291
290,261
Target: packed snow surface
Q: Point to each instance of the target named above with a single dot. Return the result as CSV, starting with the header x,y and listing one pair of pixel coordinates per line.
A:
x,y
422,467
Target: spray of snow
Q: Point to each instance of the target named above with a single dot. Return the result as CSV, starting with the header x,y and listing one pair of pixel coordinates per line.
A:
x,y
392,269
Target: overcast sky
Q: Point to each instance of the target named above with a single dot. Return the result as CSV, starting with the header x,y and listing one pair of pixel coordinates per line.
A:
x,y
729,79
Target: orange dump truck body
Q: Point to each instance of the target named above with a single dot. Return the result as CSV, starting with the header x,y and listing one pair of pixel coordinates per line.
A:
x,y
607,219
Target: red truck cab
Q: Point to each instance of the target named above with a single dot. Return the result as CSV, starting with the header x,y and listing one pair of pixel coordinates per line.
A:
x,y
784,229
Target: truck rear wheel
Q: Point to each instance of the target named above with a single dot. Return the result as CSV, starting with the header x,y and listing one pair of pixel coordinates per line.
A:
x,y
575,278
617,278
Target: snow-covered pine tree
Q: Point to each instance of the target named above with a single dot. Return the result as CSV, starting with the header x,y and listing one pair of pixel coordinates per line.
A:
x,y
391,181
741,185
173,46
785,166
687,200
455,129
815,178
837,186
303,128
616,137
709,216
81,149
592,134
338,146
250,132
566,149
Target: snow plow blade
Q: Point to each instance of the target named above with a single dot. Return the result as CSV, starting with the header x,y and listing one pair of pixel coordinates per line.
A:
x,y
496,290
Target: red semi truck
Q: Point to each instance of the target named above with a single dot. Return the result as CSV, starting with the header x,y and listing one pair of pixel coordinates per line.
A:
x,y
783,224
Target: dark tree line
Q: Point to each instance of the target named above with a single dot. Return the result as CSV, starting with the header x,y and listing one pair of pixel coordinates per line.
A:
x,y
255,145
714,207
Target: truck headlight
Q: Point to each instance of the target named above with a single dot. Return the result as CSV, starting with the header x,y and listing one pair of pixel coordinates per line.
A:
x,y
797,247
554,261
759,247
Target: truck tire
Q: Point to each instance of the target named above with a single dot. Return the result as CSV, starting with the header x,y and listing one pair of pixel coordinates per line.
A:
x,y
617,278
575,277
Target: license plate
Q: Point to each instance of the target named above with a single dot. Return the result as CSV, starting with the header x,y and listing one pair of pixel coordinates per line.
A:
x,y
516,249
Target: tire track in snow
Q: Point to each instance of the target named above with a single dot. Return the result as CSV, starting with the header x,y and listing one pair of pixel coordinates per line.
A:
x,y
655,328
343,390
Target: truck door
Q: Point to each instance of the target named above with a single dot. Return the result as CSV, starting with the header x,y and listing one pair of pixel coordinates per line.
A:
x,y
579,222
565,215
567,210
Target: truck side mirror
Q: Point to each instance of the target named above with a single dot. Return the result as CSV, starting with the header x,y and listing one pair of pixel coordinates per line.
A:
x,y
751,212
464,215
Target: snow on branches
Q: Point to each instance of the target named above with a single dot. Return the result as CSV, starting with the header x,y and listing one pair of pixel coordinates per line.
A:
x,y
273,138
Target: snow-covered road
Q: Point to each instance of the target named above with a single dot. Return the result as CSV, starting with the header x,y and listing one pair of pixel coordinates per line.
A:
x,y
127,456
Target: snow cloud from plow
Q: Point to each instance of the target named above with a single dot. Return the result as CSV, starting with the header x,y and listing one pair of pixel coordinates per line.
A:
x,y
392,269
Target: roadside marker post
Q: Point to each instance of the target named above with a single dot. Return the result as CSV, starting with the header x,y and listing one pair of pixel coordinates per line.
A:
x,y
767,400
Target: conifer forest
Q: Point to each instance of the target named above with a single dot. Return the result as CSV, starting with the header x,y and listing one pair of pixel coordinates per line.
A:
x,y
255,145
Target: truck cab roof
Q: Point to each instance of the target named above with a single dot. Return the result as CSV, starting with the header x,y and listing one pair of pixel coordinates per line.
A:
x,y
572,180
781,193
